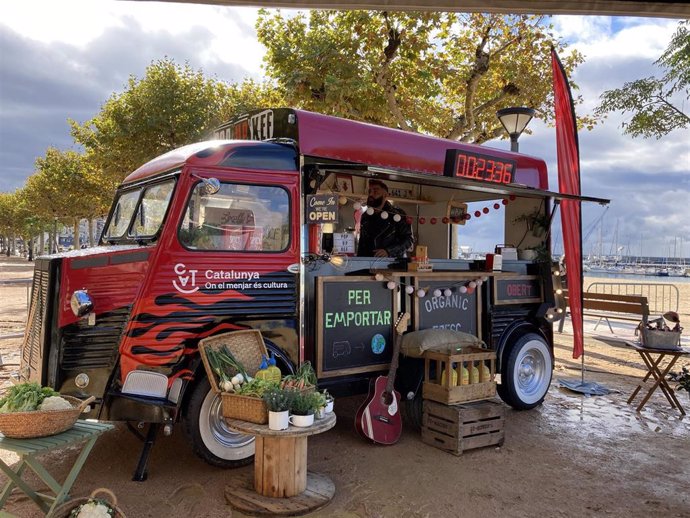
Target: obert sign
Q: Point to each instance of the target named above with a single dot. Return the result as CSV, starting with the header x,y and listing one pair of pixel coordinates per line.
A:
x,y
322,208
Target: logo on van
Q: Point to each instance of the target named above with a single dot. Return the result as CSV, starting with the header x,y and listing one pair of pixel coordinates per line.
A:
x,y
185,278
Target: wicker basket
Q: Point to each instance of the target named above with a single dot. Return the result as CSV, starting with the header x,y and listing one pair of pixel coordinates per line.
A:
x,y
65,510
246,408
248,348
42,423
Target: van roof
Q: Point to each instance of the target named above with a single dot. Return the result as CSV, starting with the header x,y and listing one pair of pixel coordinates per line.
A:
x,y
332,138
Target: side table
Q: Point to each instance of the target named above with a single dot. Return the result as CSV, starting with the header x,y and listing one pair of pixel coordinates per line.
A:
x,y
653,359
281,485
29,449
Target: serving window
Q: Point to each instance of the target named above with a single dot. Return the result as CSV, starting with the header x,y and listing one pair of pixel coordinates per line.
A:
x,y
450,223
238,218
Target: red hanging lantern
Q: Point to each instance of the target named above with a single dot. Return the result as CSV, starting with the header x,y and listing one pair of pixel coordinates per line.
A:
x,y
496,206
504,202
485,210
477,213
408,219
422,221
468,216
433,221
445,220
512,197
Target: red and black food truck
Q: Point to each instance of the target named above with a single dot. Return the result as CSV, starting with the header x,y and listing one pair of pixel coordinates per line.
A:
x,y
258,229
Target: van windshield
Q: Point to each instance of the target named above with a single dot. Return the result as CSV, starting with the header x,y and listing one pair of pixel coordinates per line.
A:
x,y
122,215
139,213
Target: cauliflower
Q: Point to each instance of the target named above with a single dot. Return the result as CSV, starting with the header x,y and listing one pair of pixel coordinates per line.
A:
x,y
93,509
55,403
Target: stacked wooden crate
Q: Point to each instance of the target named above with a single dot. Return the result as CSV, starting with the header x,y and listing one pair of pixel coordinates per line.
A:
x,y
461,415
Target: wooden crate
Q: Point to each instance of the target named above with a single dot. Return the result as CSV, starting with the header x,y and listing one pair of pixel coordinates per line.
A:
x,y
458,428
446,392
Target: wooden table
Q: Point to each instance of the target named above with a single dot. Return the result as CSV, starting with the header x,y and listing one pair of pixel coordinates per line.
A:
x,y
654,359
281,484
29,449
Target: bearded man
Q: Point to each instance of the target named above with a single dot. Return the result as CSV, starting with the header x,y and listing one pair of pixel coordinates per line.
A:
x,y
380,234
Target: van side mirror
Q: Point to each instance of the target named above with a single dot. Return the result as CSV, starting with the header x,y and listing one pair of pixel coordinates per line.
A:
x,y
211,185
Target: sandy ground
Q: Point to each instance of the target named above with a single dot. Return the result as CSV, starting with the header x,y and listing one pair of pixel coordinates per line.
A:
x,y
572,456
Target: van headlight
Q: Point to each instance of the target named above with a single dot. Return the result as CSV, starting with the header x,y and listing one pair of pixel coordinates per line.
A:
x,y
81,303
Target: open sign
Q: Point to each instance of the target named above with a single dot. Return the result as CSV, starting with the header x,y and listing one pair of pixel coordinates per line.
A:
x,y
322,208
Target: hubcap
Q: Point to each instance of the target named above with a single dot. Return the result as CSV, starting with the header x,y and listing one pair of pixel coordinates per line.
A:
x,y
531,372
220,439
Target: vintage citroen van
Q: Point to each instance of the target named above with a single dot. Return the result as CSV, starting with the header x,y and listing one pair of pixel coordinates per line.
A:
x,y
258,229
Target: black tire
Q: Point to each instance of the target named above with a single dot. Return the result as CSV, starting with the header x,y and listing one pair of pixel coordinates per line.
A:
x,y
526,372
211,439
413,412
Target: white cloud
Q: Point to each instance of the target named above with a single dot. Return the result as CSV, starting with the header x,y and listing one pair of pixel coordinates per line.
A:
x,y
80,22
613,38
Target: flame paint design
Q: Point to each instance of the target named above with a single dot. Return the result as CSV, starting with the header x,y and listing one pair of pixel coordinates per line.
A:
x,y
161,336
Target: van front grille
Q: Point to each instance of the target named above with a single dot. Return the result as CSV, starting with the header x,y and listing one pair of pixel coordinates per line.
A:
x,y
33,356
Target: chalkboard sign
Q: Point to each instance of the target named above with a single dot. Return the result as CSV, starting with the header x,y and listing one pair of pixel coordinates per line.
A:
x,y
517,290
457,312
354,325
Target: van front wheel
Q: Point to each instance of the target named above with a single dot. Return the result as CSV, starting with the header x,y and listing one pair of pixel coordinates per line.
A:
x,y
211,439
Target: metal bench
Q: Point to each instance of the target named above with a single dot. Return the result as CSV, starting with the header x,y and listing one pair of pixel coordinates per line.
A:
x,y
607,305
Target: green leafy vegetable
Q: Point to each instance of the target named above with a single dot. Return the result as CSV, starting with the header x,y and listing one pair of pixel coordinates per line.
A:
x,y
25,397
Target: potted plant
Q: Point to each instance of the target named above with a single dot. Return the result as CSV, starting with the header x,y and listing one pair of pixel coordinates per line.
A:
x,y
537,222
302,408
320,402
278,402
329,401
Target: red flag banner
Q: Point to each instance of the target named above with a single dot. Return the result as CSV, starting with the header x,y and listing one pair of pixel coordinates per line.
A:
x,y
568,150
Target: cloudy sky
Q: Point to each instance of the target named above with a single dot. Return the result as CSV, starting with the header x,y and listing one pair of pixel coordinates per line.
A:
x,y
62,59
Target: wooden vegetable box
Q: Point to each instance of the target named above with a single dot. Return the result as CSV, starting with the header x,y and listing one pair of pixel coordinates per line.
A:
x,y
459,428
441,388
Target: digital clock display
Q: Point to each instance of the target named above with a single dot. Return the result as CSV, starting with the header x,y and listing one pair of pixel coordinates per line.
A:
x,y
478,166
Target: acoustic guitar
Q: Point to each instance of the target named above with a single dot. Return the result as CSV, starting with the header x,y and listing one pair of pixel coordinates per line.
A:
x,y
378,419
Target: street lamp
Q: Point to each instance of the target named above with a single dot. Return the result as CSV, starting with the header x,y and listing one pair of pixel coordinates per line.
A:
x,y
515,120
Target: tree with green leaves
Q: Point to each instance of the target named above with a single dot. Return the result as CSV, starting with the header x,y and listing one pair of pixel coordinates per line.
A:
x,y
171,106
62,190
656,103
9,224
444,74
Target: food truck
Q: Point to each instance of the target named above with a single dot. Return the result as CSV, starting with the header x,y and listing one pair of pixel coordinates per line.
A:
x,y
258,229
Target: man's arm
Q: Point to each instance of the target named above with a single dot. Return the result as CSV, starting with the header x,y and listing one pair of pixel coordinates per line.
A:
x,y
403,238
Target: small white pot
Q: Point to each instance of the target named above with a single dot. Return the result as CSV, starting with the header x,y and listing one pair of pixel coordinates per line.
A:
x,y
278,420
329,407
302,420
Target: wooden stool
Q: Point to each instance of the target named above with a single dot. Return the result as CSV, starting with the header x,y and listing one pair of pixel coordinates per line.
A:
x,y
658,374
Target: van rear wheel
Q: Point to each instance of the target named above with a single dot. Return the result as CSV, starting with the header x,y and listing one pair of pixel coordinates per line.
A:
x,y
211,439
526,372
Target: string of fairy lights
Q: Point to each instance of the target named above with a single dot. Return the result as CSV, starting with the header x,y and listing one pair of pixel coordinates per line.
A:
x,y
467,286
357,205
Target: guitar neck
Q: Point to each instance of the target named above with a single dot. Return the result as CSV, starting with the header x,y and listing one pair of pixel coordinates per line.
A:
x,y
396,352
